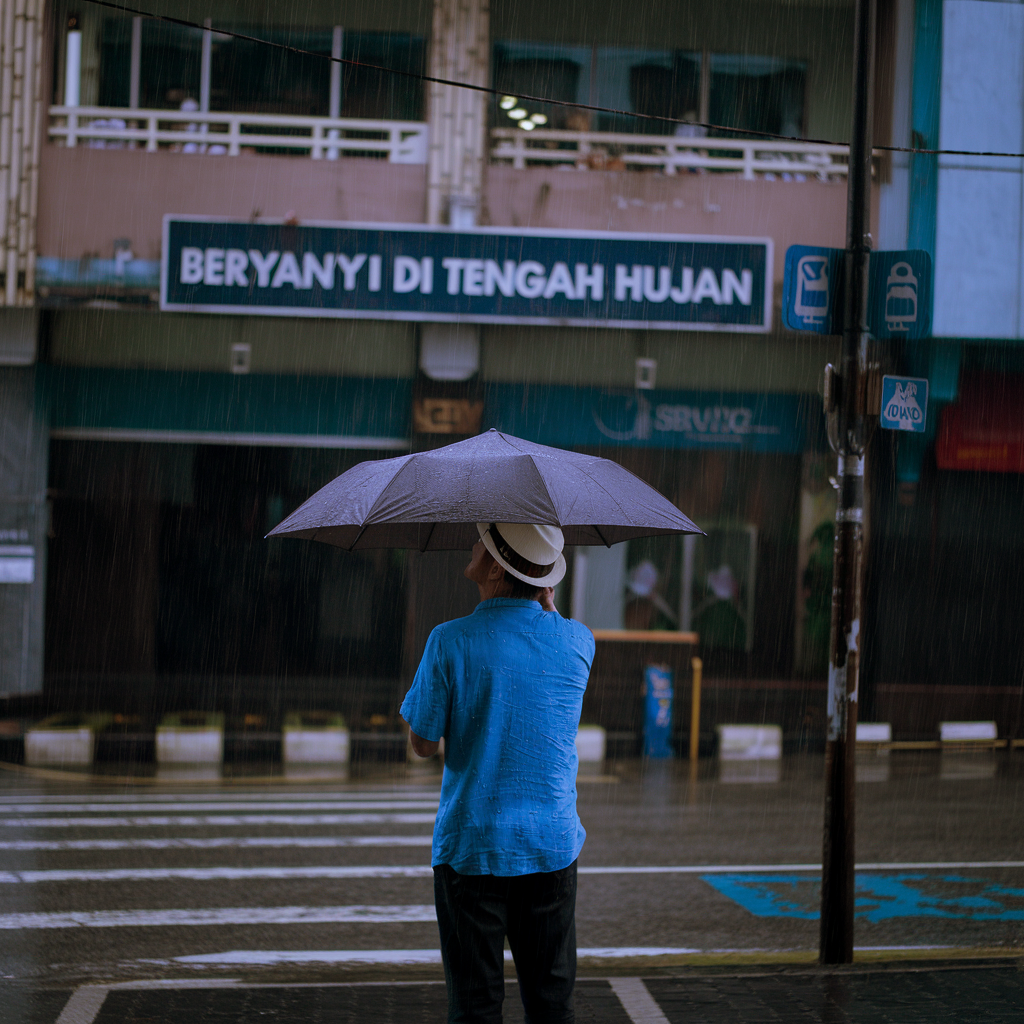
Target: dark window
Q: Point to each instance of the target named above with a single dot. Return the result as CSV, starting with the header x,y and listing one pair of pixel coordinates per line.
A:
x,y
762,94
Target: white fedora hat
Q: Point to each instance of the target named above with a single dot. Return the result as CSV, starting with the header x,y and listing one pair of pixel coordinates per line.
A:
x,y
531,553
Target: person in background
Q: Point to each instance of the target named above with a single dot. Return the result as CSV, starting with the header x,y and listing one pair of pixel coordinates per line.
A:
x,y
504,688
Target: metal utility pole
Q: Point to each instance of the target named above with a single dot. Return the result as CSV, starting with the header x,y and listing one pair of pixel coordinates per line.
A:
x,y
846,392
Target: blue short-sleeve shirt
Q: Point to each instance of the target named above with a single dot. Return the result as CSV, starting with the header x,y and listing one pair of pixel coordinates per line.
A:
x,y
504,687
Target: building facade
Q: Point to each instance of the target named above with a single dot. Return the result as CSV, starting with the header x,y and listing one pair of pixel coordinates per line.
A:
x,y
150,444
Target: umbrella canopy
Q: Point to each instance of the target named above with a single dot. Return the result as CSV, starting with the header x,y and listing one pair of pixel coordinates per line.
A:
x,y
431,500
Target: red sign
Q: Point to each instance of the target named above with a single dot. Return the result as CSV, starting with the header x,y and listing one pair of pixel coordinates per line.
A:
x,y
984,429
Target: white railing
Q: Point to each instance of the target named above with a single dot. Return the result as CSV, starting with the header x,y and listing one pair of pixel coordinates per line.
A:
x,y
227,134
671,154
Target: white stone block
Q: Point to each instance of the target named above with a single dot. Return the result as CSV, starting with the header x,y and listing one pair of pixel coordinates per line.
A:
x,y
874,732
749,742
591,743
189,745
967,732
329,745
60,746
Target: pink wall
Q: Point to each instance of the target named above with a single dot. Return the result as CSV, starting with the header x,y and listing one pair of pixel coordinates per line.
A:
x,y
89,197
808,213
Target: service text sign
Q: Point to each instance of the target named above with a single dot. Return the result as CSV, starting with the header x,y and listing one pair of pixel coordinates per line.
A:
x,y
675,282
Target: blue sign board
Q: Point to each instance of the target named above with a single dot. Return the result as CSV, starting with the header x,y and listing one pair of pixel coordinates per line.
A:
x,y
811,289
899,292
904,403
388,272
721,421
657,711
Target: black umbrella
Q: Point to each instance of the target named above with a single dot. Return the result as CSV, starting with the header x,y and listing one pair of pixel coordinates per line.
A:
x,y
431,500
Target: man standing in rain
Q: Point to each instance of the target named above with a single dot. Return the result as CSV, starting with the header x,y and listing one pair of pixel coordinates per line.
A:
x,y
504,687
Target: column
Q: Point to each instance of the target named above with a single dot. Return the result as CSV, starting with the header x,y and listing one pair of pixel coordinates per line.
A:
x,y
24,442
460,52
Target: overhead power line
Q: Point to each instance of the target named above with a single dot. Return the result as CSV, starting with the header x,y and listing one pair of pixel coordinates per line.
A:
x,y
487,90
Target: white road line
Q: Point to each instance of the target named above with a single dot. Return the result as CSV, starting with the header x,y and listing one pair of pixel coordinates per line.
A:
x,y
335,793
638,1003
225,874
84,1005
721,869
356,914
266,957
214,873
226,842
221,820
230,805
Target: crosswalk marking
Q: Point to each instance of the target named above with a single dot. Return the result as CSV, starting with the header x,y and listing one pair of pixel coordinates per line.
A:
x,y
638,1003
214,873
269,957
221,820
355,914
227,805
261,797
217,843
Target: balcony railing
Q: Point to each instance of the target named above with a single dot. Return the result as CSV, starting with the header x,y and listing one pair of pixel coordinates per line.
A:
x,y
746,158
227,134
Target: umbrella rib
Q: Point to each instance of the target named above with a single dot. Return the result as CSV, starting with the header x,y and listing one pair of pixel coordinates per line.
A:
x,y
430,534
601,535
359,535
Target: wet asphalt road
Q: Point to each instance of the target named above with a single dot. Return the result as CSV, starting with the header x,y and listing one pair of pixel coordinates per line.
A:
x,y
116,883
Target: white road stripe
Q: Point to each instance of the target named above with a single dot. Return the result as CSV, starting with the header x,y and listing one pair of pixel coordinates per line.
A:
x,y
265,957
84,1005
334,793
738,869
230,805
221,820
638,1003
227,842
356,914
215,874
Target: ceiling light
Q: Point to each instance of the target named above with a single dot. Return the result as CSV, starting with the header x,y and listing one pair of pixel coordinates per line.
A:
x,y
528,125
516,114
508,102
539,118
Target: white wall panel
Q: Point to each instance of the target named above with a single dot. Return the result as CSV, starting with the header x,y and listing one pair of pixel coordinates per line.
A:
x,y
978,242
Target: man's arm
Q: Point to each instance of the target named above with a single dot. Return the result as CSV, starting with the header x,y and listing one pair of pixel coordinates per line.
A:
x,y
422,747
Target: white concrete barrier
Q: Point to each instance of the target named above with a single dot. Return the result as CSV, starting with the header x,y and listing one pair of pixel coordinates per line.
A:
x,y
968,732
190,738
591,743
749,742
64,739
314,738
874,732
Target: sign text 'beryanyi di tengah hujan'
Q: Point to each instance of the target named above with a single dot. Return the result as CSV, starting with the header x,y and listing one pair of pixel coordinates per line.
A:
x,y
678,282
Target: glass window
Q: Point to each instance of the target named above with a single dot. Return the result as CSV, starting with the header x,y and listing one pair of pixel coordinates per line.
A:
x,y
171,55
249,77
661,83
538,69
762,94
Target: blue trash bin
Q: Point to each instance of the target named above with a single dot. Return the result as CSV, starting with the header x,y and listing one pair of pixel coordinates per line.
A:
x,y
657,711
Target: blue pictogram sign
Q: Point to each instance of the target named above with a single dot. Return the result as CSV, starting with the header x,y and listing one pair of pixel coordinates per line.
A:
x,y
904,403
899,292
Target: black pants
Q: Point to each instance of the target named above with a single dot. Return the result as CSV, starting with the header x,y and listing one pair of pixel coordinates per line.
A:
x,y
537,913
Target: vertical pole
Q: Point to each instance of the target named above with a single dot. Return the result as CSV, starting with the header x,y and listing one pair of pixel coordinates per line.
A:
x,y
334,103
837,878
337,38
205,67
73,68
698,668
135,66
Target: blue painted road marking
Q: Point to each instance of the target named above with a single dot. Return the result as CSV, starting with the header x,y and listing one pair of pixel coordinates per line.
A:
x,y
879,897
